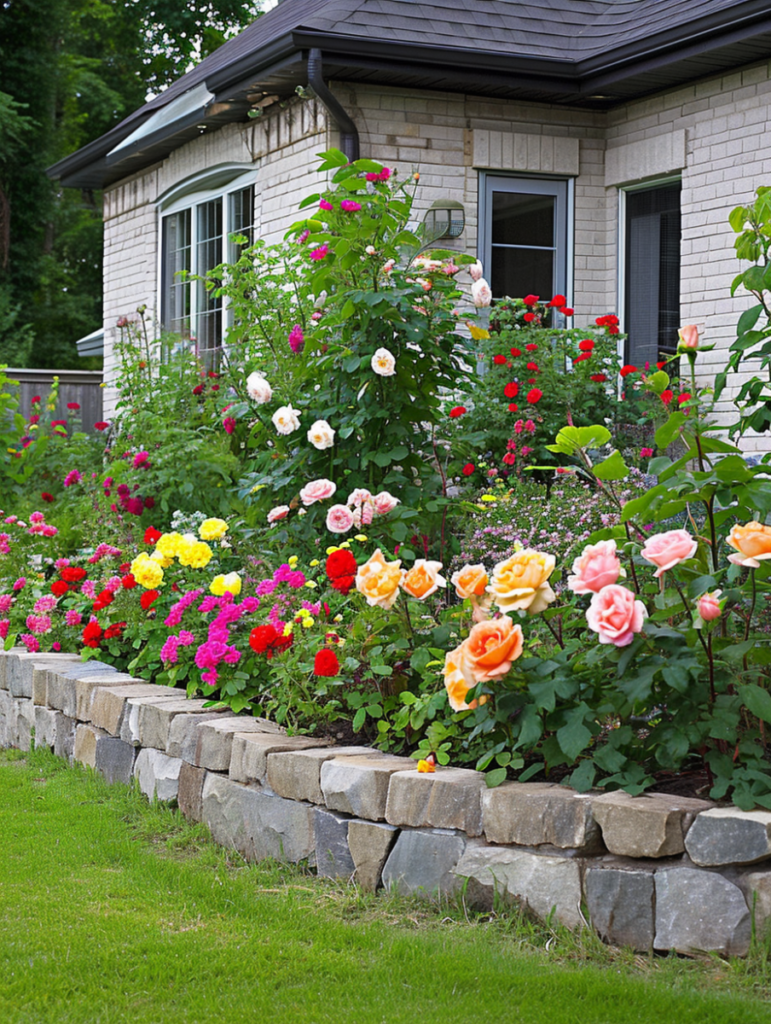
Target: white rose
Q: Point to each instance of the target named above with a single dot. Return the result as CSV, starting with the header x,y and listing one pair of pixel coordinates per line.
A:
x,y
321,435
321,301
258,388
286,419
480,293
476,270
383,363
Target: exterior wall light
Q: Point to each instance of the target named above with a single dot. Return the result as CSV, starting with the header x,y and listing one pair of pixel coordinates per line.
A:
x,y
445,218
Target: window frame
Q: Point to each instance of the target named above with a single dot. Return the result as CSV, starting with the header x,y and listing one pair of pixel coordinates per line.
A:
x,y
621,263
563,189
190,195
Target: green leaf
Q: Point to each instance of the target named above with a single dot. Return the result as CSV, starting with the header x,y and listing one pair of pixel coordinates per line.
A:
x,y
382,670
358,719
574,736
582,779
613,468
757,700
495,777
666,434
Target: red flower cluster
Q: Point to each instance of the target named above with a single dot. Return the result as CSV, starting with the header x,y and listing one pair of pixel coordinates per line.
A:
x,y
148,597
115,631
626,370
152,536
325,663
46,496
458,410
511,390
73,574
500,360
586,345
468,469
534,395
599,378
267,640
610,321
341,569
102,600
92,634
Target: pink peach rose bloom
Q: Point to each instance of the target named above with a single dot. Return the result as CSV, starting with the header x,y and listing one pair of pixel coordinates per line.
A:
x,y
317,490
339,519
689,336
279,512
384,503
596,567
708,606
669,549
616,615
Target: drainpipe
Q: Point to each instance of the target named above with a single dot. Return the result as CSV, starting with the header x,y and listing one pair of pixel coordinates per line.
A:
x,y
349,134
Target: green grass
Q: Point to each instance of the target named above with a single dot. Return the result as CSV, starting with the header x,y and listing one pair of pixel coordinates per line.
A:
x,y
113,911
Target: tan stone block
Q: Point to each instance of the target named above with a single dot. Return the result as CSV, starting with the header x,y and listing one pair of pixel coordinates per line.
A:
x,y
645,826
370,843
539,813
86,737
215,739
448,798
296,774
359,785
249,754
108,703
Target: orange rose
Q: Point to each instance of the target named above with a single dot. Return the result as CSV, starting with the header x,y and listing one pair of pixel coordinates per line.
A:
x,y
379,580
489,649
519,583
423,579
753,542
470,581
455,682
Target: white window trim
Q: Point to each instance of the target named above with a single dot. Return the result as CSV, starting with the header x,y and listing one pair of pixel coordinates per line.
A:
x,y
187,195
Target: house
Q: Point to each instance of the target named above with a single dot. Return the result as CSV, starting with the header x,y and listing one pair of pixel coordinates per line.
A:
x,y
595,146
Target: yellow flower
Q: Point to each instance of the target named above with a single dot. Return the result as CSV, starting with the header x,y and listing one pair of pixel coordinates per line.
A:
x,y
169,544
360,537
520,582
425,766
314,562
292,560
488,497
311,584
308,622
332,548
146,571
338,618
288,629
230,582
196,555
164,562
212,529
346,544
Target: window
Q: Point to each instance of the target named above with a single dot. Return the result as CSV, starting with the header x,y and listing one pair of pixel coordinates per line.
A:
x,y
651,299
524,235
195,239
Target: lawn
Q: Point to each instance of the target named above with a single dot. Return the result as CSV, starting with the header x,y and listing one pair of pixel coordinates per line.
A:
x,y
113,911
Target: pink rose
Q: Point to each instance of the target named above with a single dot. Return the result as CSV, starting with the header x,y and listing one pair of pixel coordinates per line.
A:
x,y
669,549
615,615
689,337
317,490
339,519
709,606
596,567
359,495
384,503
279,512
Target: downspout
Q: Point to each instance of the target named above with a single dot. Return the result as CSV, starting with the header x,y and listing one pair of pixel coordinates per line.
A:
x,y
349,133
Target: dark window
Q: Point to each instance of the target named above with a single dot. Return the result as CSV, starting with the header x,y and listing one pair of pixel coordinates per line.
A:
x,y
524,236
652,285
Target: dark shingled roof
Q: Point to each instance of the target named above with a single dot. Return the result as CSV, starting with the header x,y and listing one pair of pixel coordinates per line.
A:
x,y
577,52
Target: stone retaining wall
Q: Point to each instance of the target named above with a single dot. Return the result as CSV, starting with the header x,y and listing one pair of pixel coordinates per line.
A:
x,y
651,872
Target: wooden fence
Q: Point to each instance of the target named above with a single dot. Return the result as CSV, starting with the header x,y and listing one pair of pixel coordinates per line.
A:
x,y
81,386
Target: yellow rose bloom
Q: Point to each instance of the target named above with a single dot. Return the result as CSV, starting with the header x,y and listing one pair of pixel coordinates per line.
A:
x,y
379,581
520,582
212,529
222,583
169,544
164,562
197,555
146,571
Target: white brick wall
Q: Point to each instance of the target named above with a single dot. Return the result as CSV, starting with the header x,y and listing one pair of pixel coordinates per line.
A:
x,y
714,132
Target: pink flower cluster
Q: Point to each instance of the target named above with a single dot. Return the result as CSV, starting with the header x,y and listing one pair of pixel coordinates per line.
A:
x,y
5,543
6,603
38,525
296,339
38,623
170,649
73,477
177,610
103,551
360,509
383,175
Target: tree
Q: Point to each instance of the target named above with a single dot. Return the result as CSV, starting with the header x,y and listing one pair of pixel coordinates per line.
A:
x,y
69,71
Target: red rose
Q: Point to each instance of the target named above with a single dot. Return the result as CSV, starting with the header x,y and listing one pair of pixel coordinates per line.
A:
x,y
660,366
532,347
516,352
341,563
586,345
529,317
509,459
73,405
530,300
468,469
114,631
73,574
35,398
198,389
148,597
46,496
534,396
558,301
343,584
533,367
262,638
499,360
666,396
513,407
92,634
459,410
600,378
567,311
152,536
59,588
582,357
685,397
101,425
325,663
626,370
128,582
511,390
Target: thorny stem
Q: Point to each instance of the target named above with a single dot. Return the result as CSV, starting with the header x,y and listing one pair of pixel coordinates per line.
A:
x,y
631,563
554,633
444,492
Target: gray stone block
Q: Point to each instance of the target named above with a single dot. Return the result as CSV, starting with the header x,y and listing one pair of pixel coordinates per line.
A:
x,y
726,835
108,703
215,740
24,714
61,694
4,656
333,856
154,718
540,883
422,862
85,687
645,826
449,798
46,724
7,719
157,774
370,842
757,890
86,738
183,732
129,726
64,742
115,759
621,905
20,667
296,774
277,828
249,753
223,811
538,813
359,785
700,910
190,795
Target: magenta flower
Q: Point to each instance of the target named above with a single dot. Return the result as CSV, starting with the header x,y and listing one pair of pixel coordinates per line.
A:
x,y
645,453
140,459
20,583
229,424
303,236
73,477
326,205
383,175
6,603
296,339
30,642
350,206
320,253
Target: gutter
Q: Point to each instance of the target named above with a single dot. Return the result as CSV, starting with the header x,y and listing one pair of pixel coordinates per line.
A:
x,y
349,133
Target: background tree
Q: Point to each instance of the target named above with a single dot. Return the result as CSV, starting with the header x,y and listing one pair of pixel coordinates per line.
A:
x,y
69,71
